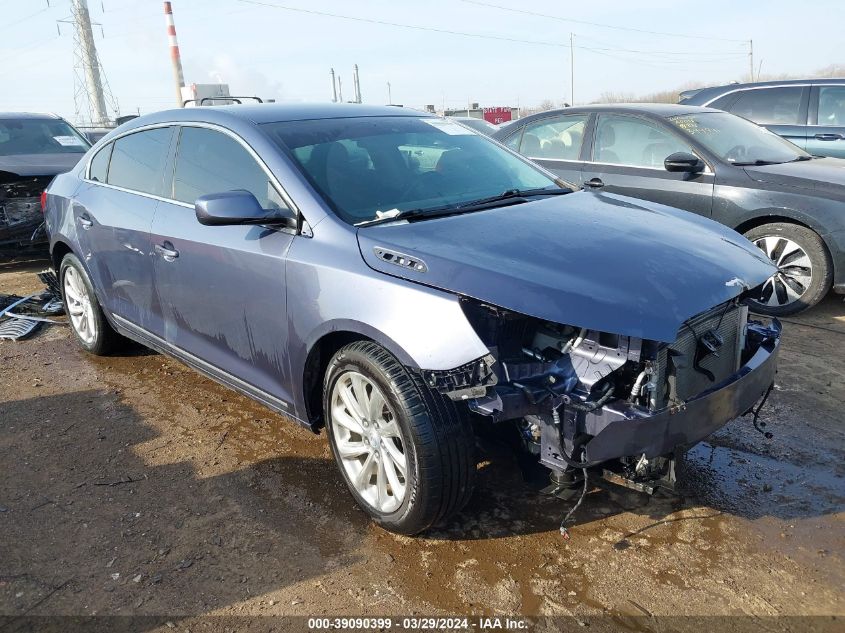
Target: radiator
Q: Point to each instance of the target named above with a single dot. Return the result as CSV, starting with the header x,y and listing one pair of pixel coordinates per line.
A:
x,y
677,379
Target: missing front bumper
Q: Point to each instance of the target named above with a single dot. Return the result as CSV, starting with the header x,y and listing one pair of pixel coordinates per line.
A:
x,y
626,431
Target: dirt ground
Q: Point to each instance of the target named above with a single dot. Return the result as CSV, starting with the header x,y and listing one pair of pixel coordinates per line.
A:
x,y
132,485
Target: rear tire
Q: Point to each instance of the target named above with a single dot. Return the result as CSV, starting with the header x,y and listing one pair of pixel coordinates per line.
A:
x,y
805,271
370,399
87,321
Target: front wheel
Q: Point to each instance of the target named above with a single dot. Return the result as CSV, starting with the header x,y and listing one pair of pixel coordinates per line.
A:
x,y
805,272
405,452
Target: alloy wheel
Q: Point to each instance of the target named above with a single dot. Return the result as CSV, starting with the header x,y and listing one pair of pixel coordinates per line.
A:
x,y
369,442
794,275
79,306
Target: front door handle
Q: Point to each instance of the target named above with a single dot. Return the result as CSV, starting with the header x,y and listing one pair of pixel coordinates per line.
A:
x,y
829,137
167,251
594,183
85,221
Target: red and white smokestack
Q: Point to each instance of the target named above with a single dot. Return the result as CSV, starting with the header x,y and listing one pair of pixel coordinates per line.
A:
x,y
175,57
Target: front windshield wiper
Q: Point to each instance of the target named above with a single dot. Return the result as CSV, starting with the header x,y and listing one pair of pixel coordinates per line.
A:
x,y
508,197
757,163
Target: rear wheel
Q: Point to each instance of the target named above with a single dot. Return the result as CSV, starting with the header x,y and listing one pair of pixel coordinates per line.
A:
x,y
405,452
87,321
805,272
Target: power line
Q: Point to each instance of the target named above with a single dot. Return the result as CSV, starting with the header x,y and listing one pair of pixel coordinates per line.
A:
x,y
601,25
418,27
7,27
415,27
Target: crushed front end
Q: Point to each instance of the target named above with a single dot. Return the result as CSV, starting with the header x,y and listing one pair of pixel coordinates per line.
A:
x,y
581,398
20,213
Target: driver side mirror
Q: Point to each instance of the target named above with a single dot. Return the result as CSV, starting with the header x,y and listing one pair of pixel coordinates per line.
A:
x,y
683,162
239,207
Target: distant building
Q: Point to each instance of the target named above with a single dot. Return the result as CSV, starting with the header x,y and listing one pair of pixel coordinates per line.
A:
x,y
495,115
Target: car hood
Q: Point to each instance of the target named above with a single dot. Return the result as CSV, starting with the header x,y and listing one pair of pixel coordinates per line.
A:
x,y
599,261
39,164
822,175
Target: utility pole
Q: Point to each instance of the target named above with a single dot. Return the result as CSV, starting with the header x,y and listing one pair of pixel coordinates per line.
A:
x,y
356,84
90,63
751,58
339,89
389,96
572,69
334,86
175,57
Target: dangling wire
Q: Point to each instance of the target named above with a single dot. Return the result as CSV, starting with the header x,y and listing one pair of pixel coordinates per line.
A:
x,y
759,426
563,530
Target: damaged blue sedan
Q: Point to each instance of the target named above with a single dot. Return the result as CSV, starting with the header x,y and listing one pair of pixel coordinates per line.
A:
x,y
399,280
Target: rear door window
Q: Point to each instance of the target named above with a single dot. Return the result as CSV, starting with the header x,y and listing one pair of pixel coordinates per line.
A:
x,y
831,106
770,106
137,160
99,168
557,138
209,161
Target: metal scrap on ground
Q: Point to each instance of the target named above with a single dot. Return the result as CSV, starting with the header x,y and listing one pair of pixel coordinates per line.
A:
x,y
21,317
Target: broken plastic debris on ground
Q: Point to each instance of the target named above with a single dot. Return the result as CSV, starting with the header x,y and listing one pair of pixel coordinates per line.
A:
x,y
22,316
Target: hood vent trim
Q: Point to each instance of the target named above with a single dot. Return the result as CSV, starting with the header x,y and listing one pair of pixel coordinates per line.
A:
x,y
400,259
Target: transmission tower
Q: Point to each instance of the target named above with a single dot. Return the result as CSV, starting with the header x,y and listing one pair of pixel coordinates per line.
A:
x,y
92,96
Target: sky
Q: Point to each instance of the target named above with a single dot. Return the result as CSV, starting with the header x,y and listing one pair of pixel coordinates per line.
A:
x,y
457,52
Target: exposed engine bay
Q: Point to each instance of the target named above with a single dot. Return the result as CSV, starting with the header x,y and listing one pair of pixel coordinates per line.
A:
x,y
581,398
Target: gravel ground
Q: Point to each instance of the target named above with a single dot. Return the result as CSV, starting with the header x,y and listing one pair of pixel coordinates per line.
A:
x,y
133,486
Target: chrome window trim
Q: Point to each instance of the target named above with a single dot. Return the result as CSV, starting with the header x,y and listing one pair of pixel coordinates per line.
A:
x,y
707,170
211,126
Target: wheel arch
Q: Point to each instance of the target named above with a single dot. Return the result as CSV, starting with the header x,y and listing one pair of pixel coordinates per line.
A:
x,y
325,344
58,252
760,220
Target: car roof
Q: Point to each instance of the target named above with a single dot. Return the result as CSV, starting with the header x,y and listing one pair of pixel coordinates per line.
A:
x,y
28,115
271,113
709,93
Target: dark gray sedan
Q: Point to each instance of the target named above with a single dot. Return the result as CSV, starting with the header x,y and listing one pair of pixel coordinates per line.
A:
x,y
383,273
720,166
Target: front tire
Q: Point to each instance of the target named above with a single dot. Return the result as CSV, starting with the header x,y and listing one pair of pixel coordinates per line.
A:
x,y
805,272
405,452
87,321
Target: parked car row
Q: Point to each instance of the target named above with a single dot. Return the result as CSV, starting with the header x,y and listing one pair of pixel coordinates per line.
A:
x,y
391,276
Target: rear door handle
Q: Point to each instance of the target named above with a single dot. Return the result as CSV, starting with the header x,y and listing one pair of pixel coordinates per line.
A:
x,y
167,251
829,137
85,221
594,183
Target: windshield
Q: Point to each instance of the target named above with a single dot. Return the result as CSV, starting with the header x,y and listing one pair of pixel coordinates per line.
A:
x,y
368,167
737,140
39,136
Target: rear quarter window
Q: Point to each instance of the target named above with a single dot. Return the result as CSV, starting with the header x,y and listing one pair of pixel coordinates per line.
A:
x,y
99,169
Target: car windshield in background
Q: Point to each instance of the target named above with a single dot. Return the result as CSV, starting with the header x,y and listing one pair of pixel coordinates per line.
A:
x,y
737,140
39,136
378,167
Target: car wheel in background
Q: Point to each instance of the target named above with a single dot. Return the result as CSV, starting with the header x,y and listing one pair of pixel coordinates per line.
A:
x,y
405,452
804,274
87,321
